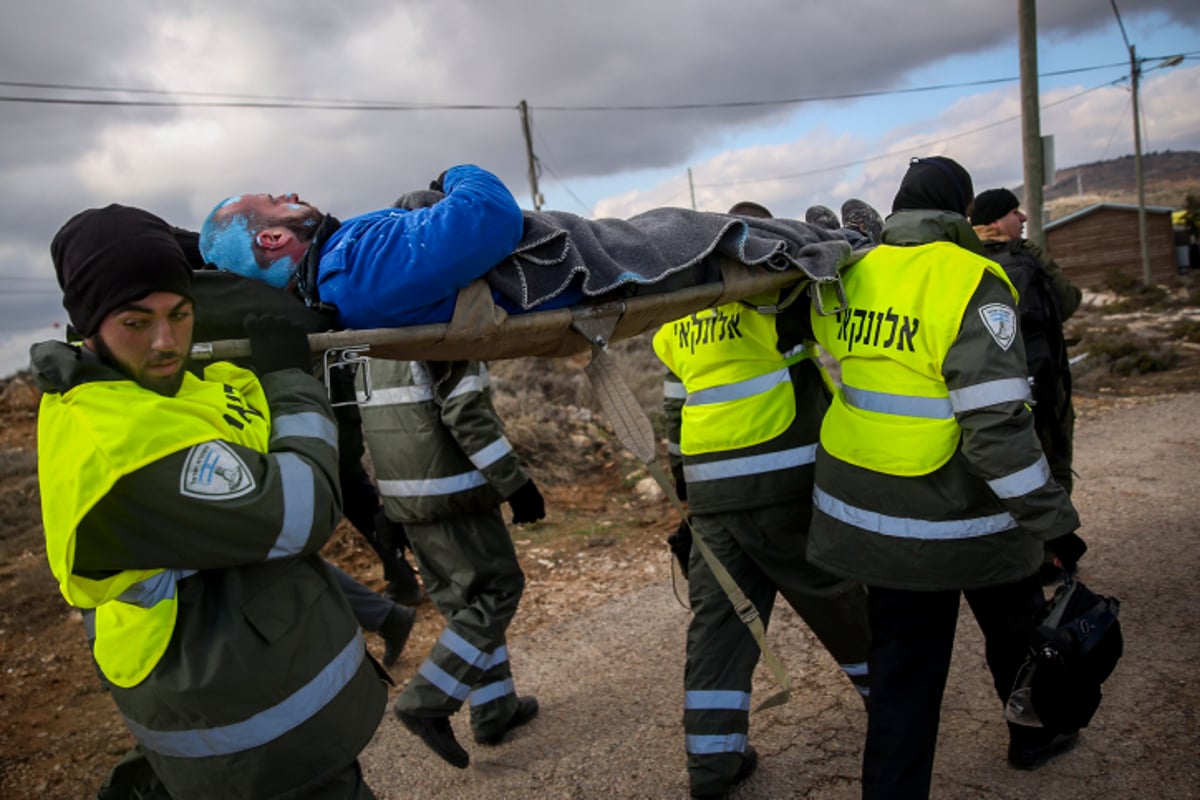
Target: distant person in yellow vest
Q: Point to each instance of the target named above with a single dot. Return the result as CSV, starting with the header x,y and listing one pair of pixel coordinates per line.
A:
x,y
930,483
1047,299
184,515
743,399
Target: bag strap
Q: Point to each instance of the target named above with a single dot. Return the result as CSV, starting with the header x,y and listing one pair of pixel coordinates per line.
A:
x,y
635,432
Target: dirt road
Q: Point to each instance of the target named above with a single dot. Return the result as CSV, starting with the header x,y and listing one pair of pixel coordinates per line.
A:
x,y
599,639
610,679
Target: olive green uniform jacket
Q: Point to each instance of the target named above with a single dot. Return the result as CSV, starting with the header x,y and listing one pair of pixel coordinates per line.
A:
x,y
265,689
872,527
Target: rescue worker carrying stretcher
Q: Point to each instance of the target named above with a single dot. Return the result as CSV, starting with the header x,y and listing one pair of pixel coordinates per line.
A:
x,y
930,481
743,399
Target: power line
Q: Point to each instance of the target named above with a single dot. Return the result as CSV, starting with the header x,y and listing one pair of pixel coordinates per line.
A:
x,y
869,159
254,101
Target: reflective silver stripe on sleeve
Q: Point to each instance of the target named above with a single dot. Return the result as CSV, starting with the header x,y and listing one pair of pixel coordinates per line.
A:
x,y
468,385
856,670
491,454
308,425
432,486
750,465
1023,481
674,390
991,393
906,528
264,726
716,699
739,390
674,449
296,480
720,743
397,396
902,405
149,592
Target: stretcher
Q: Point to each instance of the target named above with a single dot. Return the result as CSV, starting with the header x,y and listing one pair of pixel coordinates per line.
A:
x,y
481,331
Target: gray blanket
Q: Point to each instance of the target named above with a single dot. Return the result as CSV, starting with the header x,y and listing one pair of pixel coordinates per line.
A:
x,y
661,250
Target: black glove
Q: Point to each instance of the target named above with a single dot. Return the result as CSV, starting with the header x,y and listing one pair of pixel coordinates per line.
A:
x,y
527,504
1068,549
277,343
391,533
680,543
438,183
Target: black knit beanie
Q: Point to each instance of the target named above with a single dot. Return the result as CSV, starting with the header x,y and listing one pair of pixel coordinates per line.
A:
x,y
992,205
106,257
935,183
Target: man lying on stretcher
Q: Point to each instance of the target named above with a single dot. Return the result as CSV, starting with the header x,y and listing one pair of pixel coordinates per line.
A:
x,y
404,266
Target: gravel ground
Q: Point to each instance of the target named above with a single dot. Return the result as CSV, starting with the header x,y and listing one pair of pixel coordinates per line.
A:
x,y
610,678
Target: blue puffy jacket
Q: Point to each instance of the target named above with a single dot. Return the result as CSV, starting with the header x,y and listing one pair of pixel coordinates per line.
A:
x,y
395,267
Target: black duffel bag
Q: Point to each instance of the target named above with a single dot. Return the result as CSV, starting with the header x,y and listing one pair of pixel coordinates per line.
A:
x,y
1074,647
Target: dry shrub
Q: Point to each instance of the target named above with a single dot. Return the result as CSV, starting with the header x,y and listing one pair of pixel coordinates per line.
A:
x,y
551,414
1187,330
1121,282
1122,353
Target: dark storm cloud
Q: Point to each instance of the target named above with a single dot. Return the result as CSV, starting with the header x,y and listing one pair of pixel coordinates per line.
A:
x,y
57,160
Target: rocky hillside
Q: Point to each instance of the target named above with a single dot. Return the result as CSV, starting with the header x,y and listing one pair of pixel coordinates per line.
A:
x,y
1168,178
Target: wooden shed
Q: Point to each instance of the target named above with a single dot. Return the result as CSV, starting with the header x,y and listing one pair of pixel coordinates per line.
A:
x,y
1094,241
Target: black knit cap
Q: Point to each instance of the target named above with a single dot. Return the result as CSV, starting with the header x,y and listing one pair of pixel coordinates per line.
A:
x,y
937,183
107,257
992,205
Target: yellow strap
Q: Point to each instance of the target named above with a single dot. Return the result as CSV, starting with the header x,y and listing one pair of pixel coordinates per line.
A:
x,y
633,428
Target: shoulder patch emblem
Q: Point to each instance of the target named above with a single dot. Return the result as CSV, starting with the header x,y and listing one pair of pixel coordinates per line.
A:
x,y
213,471
1001,322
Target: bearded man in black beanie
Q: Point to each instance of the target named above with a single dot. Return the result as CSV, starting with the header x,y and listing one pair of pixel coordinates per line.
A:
x,y
930,483
1047,300
184,516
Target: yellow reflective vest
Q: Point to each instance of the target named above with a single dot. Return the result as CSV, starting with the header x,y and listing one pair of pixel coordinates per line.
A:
x,y
91,436
738,384
892,413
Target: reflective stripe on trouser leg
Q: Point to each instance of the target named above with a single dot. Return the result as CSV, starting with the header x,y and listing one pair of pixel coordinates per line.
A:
x,y
721,656
493,697
834,609
470,571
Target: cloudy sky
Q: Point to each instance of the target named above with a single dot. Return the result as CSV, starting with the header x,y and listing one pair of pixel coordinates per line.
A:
x,y
173,106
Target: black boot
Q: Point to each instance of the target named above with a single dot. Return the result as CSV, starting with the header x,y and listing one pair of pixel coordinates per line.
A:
x,y
527,709
861,217
1030,748
822,217
437,734
749,764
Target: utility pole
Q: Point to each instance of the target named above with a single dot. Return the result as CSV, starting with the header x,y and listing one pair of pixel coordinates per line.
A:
x,y
692,188
1135,70
533,185
1031,122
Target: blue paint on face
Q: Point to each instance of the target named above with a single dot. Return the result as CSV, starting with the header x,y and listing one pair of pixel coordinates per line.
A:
x,y
229,244
279,273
